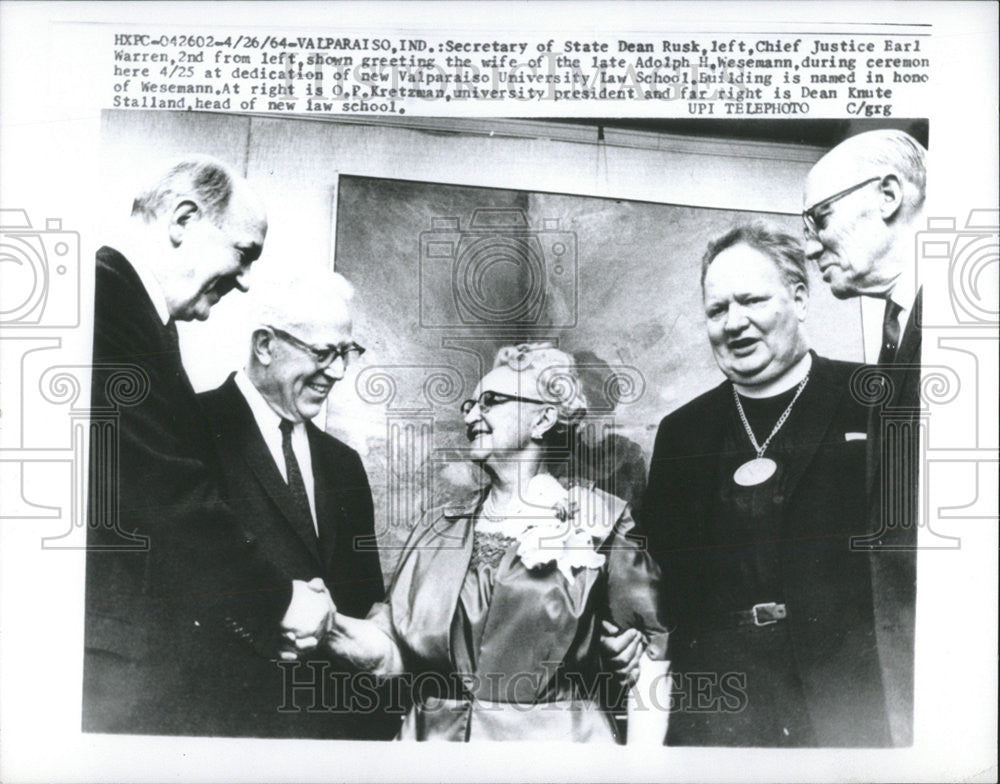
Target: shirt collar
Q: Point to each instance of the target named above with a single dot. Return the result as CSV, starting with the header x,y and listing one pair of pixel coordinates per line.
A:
x,y
903,293
149,282
267,418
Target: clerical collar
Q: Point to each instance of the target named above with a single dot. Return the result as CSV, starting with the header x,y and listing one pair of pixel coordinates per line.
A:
x,y
789,380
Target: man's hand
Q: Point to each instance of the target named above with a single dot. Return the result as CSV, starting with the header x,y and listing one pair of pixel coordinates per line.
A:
x,y
310,616
622,651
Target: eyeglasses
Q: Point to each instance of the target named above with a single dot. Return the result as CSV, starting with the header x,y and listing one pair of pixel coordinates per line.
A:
x,y
324,356
814,221
489,398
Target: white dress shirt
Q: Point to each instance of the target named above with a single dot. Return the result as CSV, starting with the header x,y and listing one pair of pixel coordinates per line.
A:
x,y
269,423
904,294
148,280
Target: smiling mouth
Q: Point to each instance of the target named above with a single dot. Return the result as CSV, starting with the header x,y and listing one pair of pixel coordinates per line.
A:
x,y
320,389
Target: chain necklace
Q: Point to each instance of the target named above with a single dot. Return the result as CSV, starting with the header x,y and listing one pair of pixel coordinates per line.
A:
x,y
760,469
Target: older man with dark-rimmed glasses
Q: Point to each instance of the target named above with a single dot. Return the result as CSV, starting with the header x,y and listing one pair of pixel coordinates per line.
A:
x,y
305,497
864,204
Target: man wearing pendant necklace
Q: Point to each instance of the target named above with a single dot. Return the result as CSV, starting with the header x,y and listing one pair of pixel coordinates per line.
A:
x,y
864,204
752,499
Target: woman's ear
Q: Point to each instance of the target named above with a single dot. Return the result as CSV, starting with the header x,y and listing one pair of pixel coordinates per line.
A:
x,y
544,422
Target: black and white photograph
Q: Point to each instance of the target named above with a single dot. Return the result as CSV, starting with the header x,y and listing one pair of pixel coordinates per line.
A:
x,y
533,451
537,434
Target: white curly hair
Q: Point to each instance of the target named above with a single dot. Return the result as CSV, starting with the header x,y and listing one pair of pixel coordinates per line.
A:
x,y
554,377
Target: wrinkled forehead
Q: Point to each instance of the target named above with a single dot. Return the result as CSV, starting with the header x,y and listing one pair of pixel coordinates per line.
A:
x,y
509,382
741,268
836,171
245,216
330,328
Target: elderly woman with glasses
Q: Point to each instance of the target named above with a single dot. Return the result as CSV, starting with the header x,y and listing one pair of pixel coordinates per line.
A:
x,y
499,601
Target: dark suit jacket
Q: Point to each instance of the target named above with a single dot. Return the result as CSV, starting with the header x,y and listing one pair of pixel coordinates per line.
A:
x,y
345,556
825,583
170,569
893,469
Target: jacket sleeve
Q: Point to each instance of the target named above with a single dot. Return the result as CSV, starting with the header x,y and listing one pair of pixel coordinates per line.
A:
x,y
661,523
634,590
198,561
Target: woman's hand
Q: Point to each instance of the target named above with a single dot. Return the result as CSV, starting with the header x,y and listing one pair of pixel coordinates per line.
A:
x,y
363,645
622,650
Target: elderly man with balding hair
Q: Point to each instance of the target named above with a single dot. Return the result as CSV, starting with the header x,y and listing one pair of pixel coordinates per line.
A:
x,y
305,498
864,204
173,576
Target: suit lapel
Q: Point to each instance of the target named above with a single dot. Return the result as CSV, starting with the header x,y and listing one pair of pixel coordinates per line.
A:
x,y
816,408
905,380
328,491
248,439
701,463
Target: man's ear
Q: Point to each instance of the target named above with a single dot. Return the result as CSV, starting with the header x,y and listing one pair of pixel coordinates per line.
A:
x,y
185,213
800,297
261,343
890,197
544,422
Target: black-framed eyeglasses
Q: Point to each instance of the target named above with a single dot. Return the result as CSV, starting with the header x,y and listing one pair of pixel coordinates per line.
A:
x,y
489,398
815,220
324,356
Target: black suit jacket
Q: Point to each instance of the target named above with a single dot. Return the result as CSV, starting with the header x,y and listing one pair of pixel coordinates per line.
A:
x,y
825,583
170,570
345,556
893,470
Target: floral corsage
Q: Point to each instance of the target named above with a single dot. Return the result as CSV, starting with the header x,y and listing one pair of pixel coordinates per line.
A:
x,y
545,522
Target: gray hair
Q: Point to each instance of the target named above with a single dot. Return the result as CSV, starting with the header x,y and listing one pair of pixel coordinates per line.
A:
x,y
895,150
206,179
298,298
783,249
556,378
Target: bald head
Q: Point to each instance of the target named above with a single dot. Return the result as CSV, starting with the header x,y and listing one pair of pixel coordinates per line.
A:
x,y
870,154
863,201
201,226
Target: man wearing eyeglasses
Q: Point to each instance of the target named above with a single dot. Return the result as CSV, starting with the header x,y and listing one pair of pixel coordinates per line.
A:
x,y
303,494
172,573
864,205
